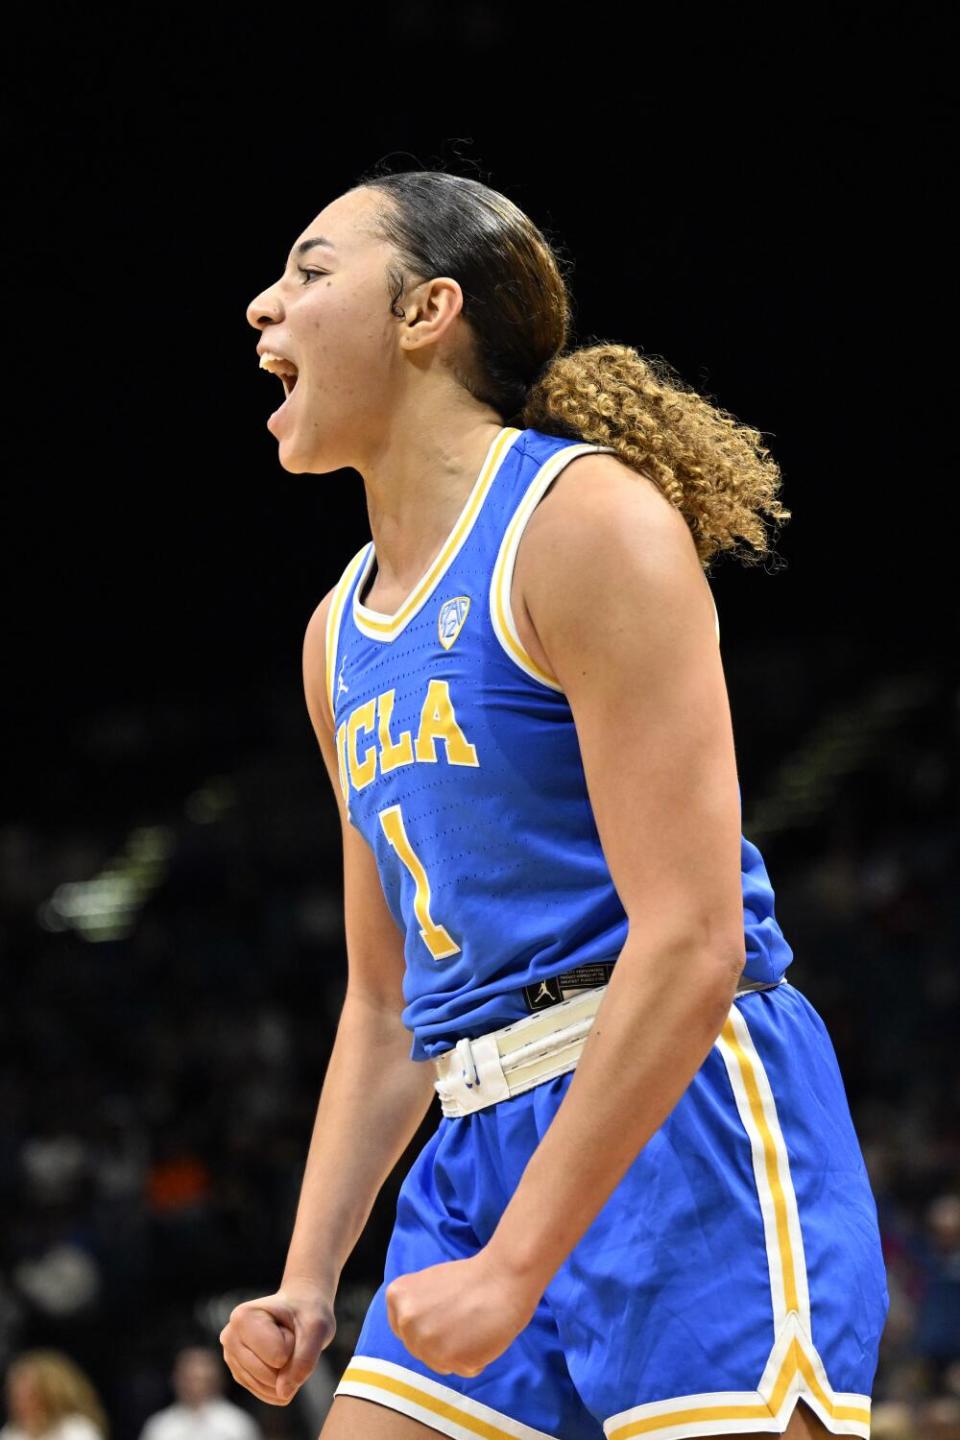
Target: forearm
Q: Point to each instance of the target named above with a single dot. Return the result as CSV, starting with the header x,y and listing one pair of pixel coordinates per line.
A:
x,y
373,1100
655,1027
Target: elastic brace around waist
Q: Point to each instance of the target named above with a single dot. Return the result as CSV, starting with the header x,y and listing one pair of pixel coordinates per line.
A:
x,y
489,1068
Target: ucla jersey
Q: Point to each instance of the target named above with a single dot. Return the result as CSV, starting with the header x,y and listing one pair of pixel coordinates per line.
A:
x,y
460,765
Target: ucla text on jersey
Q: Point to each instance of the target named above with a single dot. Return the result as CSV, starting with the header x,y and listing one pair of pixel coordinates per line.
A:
x,y
460,765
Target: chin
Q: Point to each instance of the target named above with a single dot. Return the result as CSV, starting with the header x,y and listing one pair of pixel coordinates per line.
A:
x,y
291,466
292,460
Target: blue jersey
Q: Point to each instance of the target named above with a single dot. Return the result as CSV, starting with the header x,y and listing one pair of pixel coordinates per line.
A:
x,y
460,765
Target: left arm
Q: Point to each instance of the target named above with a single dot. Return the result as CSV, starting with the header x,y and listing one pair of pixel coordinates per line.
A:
x,y
630,636
622,610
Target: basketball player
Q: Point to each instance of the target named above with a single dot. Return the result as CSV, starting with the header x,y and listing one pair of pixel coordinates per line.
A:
x,y
644,1209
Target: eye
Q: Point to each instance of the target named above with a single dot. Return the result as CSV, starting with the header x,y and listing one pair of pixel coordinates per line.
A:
x,y
310,272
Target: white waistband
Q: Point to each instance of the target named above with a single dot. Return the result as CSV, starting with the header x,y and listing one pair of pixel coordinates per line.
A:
x,y
481,1071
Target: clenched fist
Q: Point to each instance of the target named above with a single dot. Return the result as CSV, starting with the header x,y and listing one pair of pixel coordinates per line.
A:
x,y
458,1316
272,1345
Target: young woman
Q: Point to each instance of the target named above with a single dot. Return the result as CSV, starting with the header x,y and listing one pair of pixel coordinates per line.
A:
x,y
644,1210
50,1398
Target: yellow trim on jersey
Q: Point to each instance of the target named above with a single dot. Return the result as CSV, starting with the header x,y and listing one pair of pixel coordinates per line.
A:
x,y
501,585
502,579
380,627
392,1387
334,617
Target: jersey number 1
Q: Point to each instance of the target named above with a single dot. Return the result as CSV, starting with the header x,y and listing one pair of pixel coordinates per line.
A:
x,y
437,940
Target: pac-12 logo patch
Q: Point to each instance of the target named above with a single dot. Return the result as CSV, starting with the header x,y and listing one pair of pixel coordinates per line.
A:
x,y
450,620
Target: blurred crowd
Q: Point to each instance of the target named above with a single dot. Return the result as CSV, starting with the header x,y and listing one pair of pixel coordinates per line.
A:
x,y
157,1087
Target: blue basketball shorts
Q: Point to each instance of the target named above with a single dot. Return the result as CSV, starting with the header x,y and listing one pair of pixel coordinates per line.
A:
x,y
735,1268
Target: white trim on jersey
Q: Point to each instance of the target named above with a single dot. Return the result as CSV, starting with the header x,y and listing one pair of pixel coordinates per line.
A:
x,y
334,619
501,613
377,626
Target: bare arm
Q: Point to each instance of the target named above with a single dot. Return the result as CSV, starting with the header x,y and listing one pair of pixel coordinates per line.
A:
x,y
372,1102
649,701
374,1097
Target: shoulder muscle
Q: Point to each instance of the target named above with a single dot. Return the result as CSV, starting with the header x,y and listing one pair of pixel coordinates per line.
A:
x,y
624,614
612,533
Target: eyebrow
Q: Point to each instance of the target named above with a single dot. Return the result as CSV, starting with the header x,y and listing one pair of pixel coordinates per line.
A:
x,y
306,245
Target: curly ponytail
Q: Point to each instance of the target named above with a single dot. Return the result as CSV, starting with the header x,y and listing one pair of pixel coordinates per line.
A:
x,y
716,471
518,308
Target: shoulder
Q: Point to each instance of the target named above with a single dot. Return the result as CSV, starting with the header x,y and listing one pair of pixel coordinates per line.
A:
x,y
320,635
78,1427
604,540
159,1423
597,499
234,1419
314,637
334,600
315,687
335,597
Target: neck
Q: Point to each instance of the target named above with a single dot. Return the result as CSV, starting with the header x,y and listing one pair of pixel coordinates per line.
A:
x,y
416,485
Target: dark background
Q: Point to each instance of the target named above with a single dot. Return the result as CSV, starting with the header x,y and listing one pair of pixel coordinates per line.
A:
x,y
763,201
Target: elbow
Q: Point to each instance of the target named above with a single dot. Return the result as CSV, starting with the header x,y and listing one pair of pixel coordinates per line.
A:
x,y
727,970
720,970
710,962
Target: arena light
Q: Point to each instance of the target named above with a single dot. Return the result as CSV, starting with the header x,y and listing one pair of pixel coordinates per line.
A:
x,y
106,906
805,784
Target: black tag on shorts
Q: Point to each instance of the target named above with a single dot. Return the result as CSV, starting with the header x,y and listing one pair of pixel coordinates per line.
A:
x,y
544,993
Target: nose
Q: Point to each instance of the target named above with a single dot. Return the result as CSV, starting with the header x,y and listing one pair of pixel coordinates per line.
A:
x,y
265,309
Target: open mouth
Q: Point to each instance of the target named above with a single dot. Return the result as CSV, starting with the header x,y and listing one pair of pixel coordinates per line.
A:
x,y
280,365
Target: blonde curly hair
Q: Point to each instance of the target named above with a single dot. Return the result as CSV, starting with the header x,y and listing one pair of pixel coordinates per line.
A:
x,y
518,308
716,471
60,1386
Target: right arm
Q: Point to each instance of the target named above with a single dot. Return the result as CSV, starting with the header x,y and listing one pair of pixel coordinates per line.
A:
x,y
374,1096
372,1102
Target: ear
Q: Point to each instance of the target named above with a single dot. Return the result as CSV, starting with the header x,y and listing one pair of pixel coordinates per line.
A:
x,y
429,312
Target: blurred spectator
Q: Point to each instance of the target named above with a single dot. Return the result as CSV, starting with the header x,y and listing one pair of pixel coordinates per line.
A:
x,y
49,1396
939,1419
200,1411
892,1420
938,1321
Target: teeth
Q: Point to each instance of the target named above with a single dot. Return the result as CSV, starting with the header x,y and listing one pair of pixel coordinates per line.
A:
x,y
278,365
